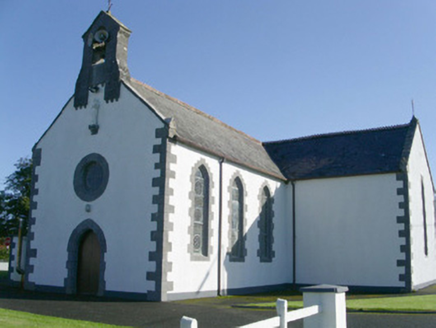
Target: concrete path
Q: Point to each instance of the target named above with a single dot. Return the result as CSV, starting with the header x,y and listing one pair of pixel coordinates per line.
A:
x,y
210,313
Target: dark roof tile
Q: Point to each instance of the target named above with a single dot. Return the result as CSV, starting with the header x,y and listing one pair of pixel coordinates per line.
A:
x,y
349,153
196,128
342,154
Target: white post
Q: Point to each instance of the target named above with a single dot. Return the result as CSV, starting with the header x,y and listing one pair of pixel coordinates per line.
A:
x,y
282,310
186,322
331,300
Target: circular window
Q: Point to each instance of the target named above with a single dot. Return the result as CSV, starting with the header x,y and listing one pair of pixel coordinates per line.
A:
x,y
91,177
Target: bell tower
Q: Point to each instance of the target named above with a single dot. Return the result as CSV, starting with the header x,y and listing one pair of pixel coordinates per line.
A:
x,y
104,59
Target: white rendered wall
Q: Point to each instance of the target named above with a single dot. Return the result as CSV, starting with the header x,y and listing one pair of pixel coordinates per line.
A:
x,y
190,276
347,231
252,272
423,266
125,138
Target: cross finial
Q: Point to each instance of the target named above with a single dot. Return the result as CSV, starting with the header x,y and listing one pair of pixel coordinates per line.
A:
x,y
413,108
109,6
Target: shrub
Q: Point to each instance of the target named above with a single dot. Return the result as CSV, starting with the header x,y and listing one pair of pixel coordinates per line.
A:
x,y
4,253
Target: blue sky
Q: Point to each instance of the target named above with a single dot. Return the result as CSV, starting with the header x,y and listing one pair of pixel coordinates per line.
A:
x,y
275,69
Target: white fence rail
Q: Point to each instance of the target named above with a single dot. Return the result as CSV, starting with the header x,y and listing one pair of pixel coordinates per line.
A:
x,y
283,316
302,313
324,306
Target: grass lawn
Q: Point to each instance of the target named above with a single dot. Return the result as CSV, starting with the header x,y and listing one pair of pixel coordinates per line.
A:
x,y
3,274
420,303
9,318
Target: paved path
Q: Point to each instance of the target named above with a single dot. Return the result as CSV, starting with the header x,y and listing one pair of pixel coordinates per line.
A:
x,y
210,313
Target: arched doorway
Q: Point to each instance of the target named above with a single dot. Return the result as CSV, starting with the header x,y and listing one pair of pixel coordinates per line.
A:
x,y
88,268
86,262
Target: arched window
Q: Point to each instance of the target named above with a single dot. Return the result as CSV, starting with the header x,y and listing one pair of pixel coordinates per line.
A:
x,y
201,212
237,221
424,216
266,227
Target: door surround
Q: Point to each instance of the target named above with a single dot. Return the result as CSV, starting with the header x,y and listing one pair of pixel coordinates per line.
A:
x,y
73,255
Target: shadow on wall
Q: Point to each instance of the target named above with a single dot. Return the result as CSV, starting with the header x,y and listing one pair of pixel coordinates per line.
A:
x,y
206,277
248,264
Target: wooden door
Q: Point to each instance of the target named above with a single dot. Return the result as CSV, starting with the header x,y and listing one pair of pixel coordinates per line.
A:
x,y
89,264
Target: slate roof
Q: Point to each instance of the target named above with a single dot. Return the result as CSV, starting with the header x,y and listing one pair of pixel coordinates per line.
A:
x,y
372,151
197,129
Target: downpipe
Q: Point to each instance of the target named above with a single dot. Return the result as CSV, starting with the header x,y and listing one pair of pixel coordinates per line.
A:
x,y
220,223
18,267
294,237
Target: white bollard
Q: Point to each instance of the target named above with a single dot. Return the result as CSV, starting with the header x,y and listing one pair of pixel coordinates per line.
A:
x,y
282,310
187,322
331,300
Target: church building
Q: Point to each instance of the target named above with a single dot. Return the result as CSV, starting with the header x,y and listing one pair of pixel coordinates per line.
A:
x,y
136,194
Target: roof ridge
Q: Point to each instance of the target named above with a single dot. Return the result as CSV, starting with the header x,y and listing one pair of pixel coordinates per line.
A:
x,y
340,133
196,110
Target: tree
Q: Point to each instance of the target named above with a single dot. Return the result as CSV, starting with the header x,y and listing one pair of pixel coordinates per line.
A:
x,y
15,199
